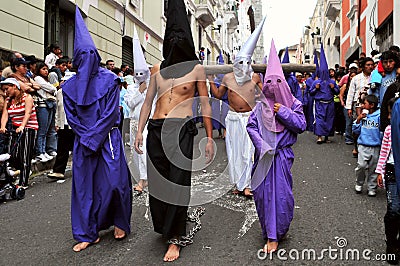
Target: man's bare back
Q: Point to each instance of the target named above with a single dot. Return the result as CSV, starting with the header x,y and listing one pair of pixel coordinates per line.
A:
x,y
241,98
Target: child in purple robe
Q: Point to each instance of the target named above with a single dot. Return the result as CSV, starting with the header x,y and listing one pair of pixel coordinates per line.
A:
x,y
273,127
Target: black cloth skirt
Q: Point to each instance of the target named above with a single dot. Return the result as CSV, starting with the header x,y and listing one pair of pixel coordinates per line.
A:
x,y
169,165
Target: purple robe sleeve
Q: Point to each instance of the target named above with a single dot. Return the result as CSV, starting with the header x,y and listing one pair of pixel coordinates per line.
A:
x,y
336,88
72,116
293,119
313,90
253,129
95,136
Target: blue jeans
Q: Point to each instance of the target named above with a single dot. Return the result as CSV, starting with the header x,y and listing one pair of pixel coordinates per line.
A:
x,y
392,216
46,136
393,200
349,122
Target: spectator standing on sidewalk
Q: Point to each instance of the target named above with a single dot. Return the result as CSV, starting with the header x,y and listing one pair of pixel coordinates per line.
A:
x,y
65,139
45,101
20,108
386,175
53,56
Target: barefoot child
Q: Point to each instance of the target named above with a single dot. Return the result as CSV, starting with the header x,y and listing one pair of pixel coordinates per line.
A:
x,y
273,127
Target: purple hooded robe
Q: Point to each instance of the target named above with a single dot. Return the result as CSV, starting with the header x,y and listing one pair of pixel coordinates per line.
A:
x,y
272,136
309,99
324,105
291,79
101,182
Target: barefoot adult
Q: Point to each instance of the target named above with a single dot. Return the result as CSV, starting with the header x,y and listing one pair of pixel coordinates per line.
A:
x,y
171,130
101,183
242,86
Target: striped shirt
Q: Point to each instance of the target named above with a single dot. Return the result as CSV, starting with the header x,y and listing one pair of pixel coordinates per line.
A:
x,y
386,150
357,84
17,112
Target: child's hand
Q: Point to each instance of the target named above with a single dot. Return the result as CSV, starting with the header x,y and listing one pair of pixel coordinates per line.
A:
x,y
380,180
360,117
277,106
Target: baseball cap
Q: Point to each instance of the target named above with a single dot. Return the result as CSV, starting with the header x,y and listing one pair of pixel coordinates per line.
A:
x,y
20,61
353,65
11,81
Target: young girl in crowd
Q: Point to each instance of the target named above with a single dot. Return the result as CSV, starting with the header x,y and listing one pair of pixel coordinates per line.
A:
x,y
46,145
385,170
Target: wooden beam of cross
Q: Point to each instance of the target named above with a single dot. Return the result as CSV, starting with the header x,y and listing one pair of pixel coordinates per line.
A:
x,y
260,68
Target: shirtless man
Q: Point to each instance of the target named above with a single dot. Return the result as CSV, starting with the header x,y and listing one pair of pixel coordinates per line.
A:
x,y
239,147
173,106
242,85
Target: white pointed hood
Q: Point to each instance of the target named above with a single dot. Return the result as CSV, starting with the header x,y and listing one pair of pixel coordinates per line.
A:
x,y
242,63
141,70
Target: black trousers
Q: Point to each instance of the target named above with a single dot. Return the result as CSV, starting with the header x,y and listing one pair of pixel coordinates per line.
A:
x,y
23,153
65,144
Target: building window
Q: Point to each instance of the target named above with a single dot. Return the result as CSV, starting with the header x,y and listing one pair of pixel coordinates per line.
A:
x,y
59,25
127,51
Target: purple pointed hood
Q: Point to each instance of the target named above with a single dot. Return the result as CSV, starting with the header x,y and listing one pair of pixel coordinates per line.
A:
x,y
311,79
91,81
285,58
275,90
323,71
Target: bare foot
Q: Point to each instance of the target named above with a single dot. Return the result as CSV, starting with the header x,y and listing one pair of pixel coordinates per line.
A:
x,y
119,234
140,186
247,192
270,246
235,192
172,253
83,245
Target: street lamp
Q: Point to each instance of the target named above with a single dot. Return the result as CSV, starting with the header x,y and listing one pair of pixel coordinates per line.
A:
x,y
219,22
